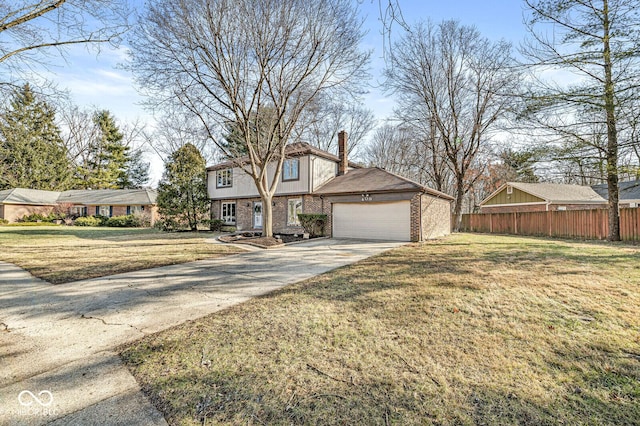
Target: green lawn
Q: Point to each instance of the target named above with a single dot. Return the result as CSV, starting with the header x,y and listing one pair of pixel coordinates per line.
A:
x,y
472,329
60,254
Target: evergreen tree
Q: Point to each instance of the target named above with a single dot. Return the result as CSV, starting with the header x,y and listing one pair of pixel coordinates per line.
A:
x,y
136,172
182,192
32,153
106,168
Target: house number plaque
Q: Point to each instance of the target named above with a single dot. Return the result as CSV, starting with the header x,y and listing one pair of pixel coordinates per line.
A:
x,y
366,197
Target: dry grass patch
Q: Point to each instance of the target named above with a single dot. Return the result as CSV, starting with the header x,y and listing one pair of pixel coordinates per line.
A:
x,y
64,254
468,330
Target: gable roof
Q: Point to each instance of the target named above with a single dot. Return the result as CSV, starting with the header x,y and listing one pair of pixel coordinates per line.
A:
x,y
83,196
28,196
109,196
629,190
297,149
554,192
373,180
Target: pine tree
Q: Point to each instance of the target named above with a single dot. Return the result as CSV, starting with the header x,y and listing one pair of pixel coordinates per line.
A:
x,y
109,156
136,172
32,153
182,192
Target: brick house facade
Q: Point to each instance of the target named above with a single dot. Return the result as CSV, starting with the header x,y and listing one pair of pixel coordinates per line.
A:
x,y
367,203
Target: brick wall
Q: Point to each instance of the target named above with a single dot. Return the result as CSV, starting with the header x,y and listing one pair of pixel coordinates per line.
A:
x,y
436,217
244,212
13,212
416,217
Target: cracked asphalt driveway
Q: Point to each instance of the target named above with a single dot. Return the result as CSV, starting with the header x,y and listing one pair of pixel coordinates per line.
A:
x,y
63,339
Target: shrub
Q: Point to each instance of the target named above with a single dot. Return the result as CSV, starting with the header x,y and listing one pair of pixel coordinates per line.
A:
x,y
3,221
88,221
216,225
128,221
313,224
34,217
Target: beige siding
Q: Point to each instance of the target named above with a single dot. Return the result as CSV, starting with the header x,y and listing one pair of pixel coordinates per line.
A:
x,y
436,217
515,198
243,185
323,171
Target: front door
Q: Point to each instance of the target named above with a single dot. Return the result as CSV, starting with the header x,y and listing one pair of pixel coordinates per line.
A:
x,y
257,214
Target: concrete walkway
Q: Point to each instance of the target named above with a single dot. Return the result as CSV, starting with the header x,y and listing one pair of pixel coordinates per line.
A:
x,y
59,360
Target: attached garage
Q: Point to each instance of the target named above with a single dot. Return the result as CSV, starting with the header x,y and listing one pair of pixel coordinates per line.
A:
x,y
373,204
389,221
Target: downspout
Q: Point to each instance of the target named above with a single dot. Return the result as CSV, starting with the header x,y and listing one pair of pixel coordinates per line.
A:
x,y
421,236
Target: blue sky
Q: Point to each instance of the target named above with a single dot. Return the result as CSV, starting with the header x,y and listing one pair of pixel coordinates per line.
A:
x,y
97,81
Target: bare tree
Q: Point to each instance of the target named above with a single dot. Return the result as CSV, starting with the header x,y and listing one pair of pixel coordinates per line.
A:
x,y
459,82
31,32
249,62
173,130
596,40
320,123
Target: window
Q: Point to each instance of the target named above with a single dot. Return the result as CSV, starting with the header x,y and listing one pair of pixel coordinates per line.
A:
x,y
104,211
294,207
135,209
509,189
291,169
77,211
228,213
224,178
562,208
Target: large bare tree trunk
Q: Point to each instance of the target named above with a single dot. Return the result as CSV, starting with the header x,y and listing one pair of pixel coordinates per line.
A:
x,y
612,133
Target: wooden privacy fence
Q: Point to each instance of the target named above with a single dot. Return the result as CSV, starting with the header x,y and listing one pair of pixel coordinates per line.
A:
x,y
580,224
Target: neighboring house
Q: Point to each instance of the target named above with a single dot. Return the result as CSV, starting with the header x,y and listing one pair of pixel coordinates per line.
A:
x,y
18,202
111,202
366,203
629,193
535,197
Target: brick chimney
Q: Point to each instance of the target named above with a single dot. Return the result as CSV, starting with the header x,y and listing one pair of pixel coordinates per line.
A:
x,y
343,165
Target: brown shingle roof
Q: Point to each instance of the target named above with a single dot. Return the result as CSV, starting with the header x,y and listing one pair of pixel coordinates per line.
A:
x,y
372,180
297,149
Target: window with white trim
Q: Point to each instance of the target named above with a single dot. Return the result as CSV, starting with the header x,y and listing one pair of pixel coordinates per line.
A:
x,y
509,189
104,211
228,213
291,169
78,211
294,207
224,178
136,209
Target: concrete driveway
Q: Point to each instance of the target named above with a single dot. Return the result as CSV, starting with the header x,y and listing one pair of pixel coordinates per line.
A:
x,y
58,344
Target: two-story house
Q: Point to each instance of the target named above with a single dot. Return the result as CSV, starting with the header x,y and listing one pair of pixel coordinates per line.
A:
x,y
364,203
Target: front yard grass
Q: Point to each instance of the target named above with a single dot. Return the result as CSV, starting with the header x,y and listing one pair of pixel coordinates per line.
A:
x,y
472,329
60,254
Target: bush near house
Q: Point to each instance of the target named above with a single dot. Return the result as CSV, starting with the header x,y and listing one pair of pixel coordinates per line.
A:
x,y
313,224
39,217
87,221
3,221
125,221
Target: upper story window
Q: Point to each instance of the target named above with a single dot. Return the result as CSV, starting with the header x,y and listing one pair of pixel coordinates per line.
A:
x,y
224,178
291,169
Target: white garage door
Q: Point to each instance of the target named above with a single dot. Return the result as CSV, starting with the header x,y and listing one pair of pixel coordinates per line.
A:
x,y
373,221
